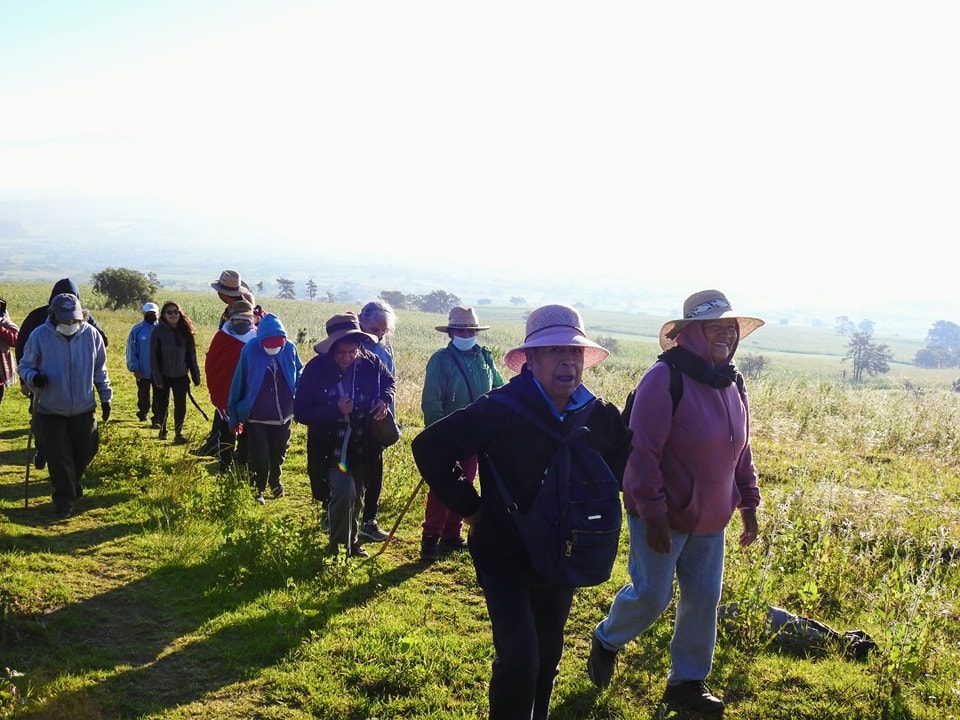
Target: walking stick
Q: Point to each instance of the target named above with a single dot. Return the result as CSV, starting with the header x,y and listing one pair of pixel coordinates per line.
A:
x,y
393,530
26,479
196,404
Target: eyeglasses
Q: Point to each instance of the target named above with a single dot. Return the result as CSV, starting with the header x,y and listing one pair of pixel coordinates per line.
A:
x,y
172,313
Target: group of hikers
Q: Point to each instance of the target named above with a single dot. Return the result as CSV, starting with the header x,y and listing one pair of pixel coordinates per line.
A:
x,y
556,464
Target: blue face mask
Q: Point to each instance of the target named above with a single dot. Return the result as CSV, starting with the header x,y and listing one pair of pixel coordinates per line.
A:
x,y
464,344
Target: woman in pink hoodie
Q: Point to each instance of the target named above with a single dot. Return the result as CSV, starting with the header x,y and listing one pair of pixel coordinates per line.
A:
x,y
690,468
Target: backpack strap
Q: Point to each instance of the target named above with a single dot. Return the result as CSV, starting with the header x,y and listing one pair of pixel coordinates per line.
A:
x,y
676,391
458,361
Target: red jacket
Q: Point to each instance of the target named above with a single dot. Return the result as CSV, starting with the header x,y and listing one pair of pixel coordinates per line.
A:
x,y
219,366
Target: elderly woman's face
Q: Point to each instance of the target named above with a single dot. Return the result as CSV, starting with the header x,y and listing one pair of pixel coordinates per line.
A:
x,y
344,353
559,369
375,325
721,337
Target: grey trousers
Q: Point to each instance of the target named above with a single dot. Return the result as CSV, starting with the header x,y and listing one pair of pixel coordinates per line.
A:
x,y
346,502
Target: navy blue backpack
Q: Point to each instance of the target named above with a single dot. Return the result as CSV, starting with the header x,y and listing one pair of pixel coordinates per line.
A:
x,y
572,528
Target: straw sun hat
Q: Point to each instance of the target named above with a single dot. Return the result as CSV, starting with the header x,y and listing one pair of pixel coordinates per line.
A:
x,y
230,284
462,319
705,305
552,325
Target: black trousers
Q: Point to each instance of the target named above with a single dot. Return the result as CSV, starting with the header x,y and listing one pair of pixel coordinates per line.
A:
x,y
70,444
266,451
144,404
179,386
528,624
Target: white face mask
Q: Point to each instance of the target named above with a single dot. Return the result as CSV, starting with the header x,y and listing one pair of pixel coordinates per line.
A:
x,y
67,329
272,351
461,343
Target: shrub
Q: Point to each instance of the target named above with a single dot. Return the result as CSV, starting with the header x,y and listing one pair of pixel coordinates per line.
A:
x,y
123,287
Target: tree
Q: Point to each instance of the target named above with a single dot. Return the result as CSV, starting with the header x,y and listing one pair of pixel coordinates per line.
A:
x,y
867,356
260,287
943,346
287,291
484,301
123,287
311,289
935,356
331,298
517,300
395,298
866,326
945,334
845,326
752,366
610,343
438,301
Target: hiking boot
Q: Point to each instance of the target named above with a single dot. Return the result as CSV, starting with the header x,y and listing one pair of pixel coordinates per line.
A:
x,y
358,551
142,417
180,440
154,424
430,547
371,532
162,435
62,512
279,492
601,663
693,695
260,500
39,460
454,544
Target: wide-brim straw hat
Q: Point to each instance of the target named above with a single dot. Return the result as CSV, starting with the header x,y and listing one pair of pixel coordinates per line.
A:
x,y
340,327
555,325
706,305
461,318
229,283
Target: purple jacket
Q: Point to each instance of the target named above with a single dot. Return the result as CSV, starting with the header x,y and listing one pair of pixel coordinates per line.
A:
x,y
695,466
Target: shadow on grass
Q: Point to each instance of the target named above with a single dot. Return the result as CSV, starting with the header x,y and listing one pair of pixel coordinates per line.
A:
x,y
15,434
148,627
39,512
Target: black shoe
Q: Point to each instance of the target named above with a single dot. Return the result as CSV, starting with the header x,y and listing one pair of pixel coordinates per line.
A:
x,y
430,547
278,491
693,695
62,512
180,440
154,425
601,663
162,435
142,417
454,544
39,460
358,551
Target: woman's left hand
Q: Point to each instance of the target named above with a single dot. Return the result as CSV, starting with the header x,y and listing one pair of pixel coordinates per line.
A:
x,y
378,409
749,533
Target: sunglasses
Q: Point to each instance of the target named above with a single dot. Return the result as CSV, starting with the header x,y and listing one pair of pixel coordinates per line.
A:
x,y
174,313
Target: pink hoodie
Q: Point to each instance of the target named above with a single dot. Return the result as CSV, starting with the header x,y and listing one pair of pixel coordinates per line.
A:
x,y
695,466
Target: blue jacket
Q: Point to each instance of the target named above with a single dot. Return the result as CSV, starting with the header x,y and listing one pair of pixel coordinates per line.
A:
x,y
73,368
138,348
252,367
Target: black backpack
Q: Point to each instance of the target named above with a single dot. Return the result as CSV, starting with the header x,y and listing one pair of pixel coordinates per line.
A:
x,y
676,391
572,528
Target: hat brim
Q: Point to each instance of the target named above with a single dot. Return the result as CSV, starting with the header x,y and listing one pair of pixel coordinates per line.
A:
x,y
232,292
672,328
448,328
323,347
593,354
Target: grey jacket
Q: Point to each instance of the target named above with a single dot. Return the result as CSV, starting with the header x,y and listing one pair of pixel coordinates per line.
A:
x,y
73,366
171,356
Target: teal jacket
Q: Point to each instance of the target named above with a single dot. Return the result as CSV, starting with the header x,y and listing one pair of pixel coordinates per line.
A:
x,y
445,388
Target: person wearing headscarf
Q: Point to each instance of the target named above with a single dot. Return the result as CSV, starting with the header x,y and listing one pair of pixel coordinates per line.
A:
x,y
378,320
456,375
528,611
138,362
64,365
260,403
690,470
343,388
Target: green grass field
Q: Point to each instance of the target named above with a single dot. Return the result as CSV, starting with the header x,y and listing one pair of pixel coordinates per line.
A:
x,y
172,595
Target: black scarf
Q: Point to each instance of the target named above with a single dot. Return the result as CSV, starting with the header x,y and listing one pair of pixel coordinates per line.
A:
x,y
699,369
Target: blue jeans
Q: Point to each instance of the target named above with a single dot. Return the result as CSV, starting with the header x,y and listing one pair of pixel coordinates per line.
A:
x,y
697,562
527,626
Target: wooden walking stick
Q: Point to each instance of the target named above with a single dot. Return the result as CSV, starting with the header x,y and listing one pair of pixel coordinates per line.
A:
x,y
396,524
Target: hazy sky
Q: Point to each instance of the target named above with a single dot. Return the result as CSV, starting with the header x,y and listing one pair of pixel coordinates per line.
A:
x,y
803,150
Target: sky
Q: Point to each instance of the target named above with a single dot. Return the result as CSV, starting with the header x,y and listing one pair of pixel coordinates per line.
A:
x,y
799,153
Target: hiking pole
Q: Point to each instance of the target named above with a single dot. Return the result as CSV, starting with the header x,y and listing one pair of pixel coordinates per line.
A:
x,y
396,524
196,404
26,479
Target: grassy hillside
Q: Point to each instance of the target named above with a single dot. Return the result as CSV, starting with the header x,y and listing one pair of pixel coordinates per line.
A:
x,y
172,595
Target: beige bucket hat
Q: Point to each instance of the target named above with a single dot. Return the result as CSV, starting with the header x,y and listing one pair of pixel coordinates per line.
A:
x,y
705,305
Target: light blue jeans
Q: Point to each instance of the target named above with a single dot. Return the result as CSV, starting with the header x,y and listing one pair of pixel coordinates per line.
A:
x,y
697,561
